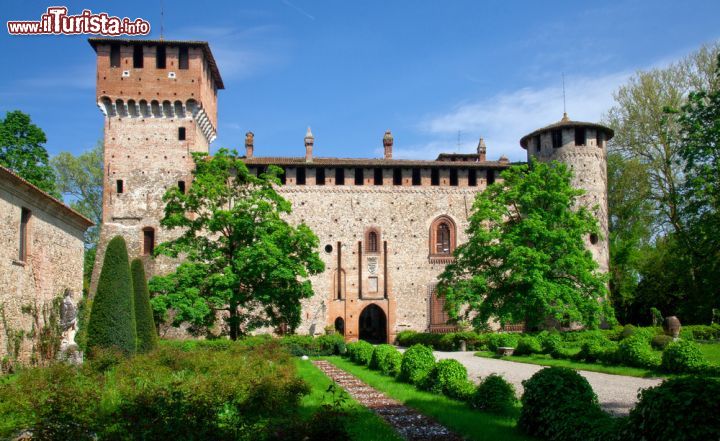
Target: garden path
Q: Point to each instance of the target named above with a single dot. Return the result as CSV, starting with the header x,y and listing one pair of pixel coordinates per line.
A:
x,y
617,393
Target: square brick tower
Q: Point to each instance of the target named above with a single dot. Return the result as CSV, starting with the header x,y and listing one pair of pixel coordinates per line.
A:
x,y
159,101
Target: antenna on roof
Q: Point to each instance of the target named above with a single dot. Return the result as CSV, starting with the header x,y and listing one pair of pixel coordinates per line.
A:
x,y
162,19
564,108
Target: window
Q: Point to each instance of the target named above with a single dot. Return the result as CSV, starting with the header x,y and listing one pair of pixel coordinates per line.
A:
x,y
183,58
119,186
300,176
490,177
377,176
181,186
416,176
339,176
438,316
600,137
372,242
472,177
24,236
397,176
537,143
359,176
114,55
556,138
148,241
181,133
160,57
580,136
453,177
137,57
320,176
442,237
434,176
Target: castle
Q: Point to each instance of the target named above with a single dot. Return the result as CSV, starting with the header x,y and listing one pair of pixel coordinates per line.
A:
x,y
387,227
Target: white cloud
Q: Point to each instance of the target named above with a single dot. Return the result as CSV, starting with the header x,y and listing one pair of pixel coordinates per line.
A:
x,y
504,118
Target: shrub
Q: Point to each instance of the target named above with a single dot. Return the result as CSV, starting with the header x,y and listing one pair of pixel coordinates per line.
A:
x,y
445,378
636,351
628,331
494,395
360,352
405,338
391,363
596,350
661,341
549,341
703,332
378,356
332,344
528,345
682,356
498,340
417,362
144,323
559,404
684,408
112,319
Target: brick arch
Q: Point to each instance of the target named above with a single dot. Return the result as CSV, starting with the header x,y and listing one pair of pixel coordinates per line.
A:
x,y
443,236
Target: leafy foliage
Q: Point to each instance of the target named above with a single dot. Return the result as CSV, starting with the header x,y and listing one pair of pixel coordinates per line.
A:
x,y
494,394
446,377
391,363
299,345
498,340
22,151
380,352
682,356
528,345
360,352
242,255
144,323
525,258
678,409
417,362
112,319
636,351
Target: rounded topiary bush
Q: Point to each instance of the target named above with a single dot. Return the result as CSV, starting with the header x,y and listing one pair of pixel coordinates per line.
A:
x,y
596,350
682,356
494,394
445,377
360,352
417,362
390,365
378,356
528,345
636,351
661,341
144,322
684,408
549,342
559,404
112,319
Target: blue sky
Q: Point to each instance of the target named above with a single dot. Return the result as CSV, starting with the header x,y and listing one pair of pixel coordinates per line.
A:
x,y
350,70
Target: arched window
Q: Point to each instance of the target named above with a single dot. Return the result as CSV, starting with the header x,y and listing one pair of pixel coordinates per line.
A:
x,y
372,240
442,237
148,241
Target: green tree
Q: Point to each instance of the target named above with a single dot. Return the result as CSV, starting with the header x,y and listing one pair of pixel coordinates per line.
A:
x,y
242,257
112,318
525,258
22,151
144,323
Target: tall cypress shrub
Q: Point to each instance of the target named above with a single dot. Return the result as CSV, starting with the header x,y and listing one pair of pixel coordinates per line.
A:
x,y
112,318
144,323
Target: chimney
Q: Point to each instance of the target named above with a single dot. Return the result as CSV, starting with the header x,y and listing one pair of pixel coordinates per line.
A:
x,y
388,144
482,150
249,144
309,141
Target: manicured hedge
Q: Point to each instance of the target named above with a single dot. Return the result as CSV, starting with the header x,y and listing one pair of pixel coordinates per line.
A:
x,y
446,377
683,356
380,353
494,394
360,352
416,364
144,322
112,319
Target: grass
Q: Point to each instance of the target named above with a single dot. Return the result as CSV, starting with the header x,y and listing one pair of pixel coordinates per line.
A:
x,y
363,424
453,414
711,351
546,360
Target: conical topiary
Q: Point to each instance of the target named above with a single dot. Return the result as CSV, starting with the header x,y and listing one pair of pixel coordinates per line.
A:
x,y
144,323
112,318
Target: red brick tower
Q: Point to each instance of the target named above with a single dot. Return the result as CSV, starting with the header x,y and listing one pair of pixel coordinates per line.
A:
x,y
159,101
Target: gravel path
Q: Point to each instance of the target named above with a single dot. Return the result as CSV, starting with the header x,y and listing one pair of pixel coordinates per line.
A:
x,y
617,393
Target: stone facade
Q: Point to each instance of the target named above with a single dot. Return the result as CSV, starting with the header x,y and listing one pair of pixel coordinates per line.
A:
x,y
41,255
387,227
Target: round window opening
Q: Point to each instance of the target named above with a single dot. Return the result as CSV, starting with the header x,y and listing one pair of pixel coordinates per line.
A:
x,y
593,238
328,248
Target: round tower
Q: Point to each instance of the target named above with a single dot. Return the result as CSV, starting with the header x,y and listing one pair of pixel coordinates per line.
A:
x,y
583,147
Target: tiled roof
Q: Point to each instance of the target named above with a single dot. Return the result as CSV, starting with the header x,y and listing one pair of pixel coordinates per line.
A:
x,y
15,180
368,162
201,44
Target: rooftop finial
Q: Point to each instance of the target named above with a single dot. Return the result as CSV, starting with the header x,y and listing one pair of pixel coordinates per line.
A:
x,y
309,134
481,150
388,144
565,117
309,141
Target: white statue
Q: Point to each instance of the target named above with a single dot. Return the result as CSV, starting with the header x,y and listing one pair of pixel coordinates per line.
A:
x,y
69,350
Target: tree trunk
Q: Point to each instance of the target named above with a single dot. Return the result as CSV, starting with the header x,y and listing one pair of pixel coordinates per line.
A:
x,y
234,322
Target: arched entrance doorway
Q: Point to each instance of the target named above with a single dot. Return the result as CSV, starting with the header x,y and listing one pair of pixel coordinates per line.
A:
x,y
340,326
373,324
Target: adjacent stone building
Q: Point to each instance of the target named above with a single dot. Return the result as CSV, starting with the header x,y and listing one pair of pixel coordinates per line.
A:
x,y
41,256
387,227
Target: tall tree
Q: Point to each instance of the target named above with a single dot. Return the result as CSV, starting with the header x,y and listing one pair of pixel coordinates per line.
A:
x,y
525,258
144,323
22,151
242,257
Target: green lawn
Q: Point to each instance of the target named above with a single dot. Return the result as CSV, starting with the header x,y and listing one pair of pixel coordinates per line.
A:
x,y
453,414
711,351
546,360
363,424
